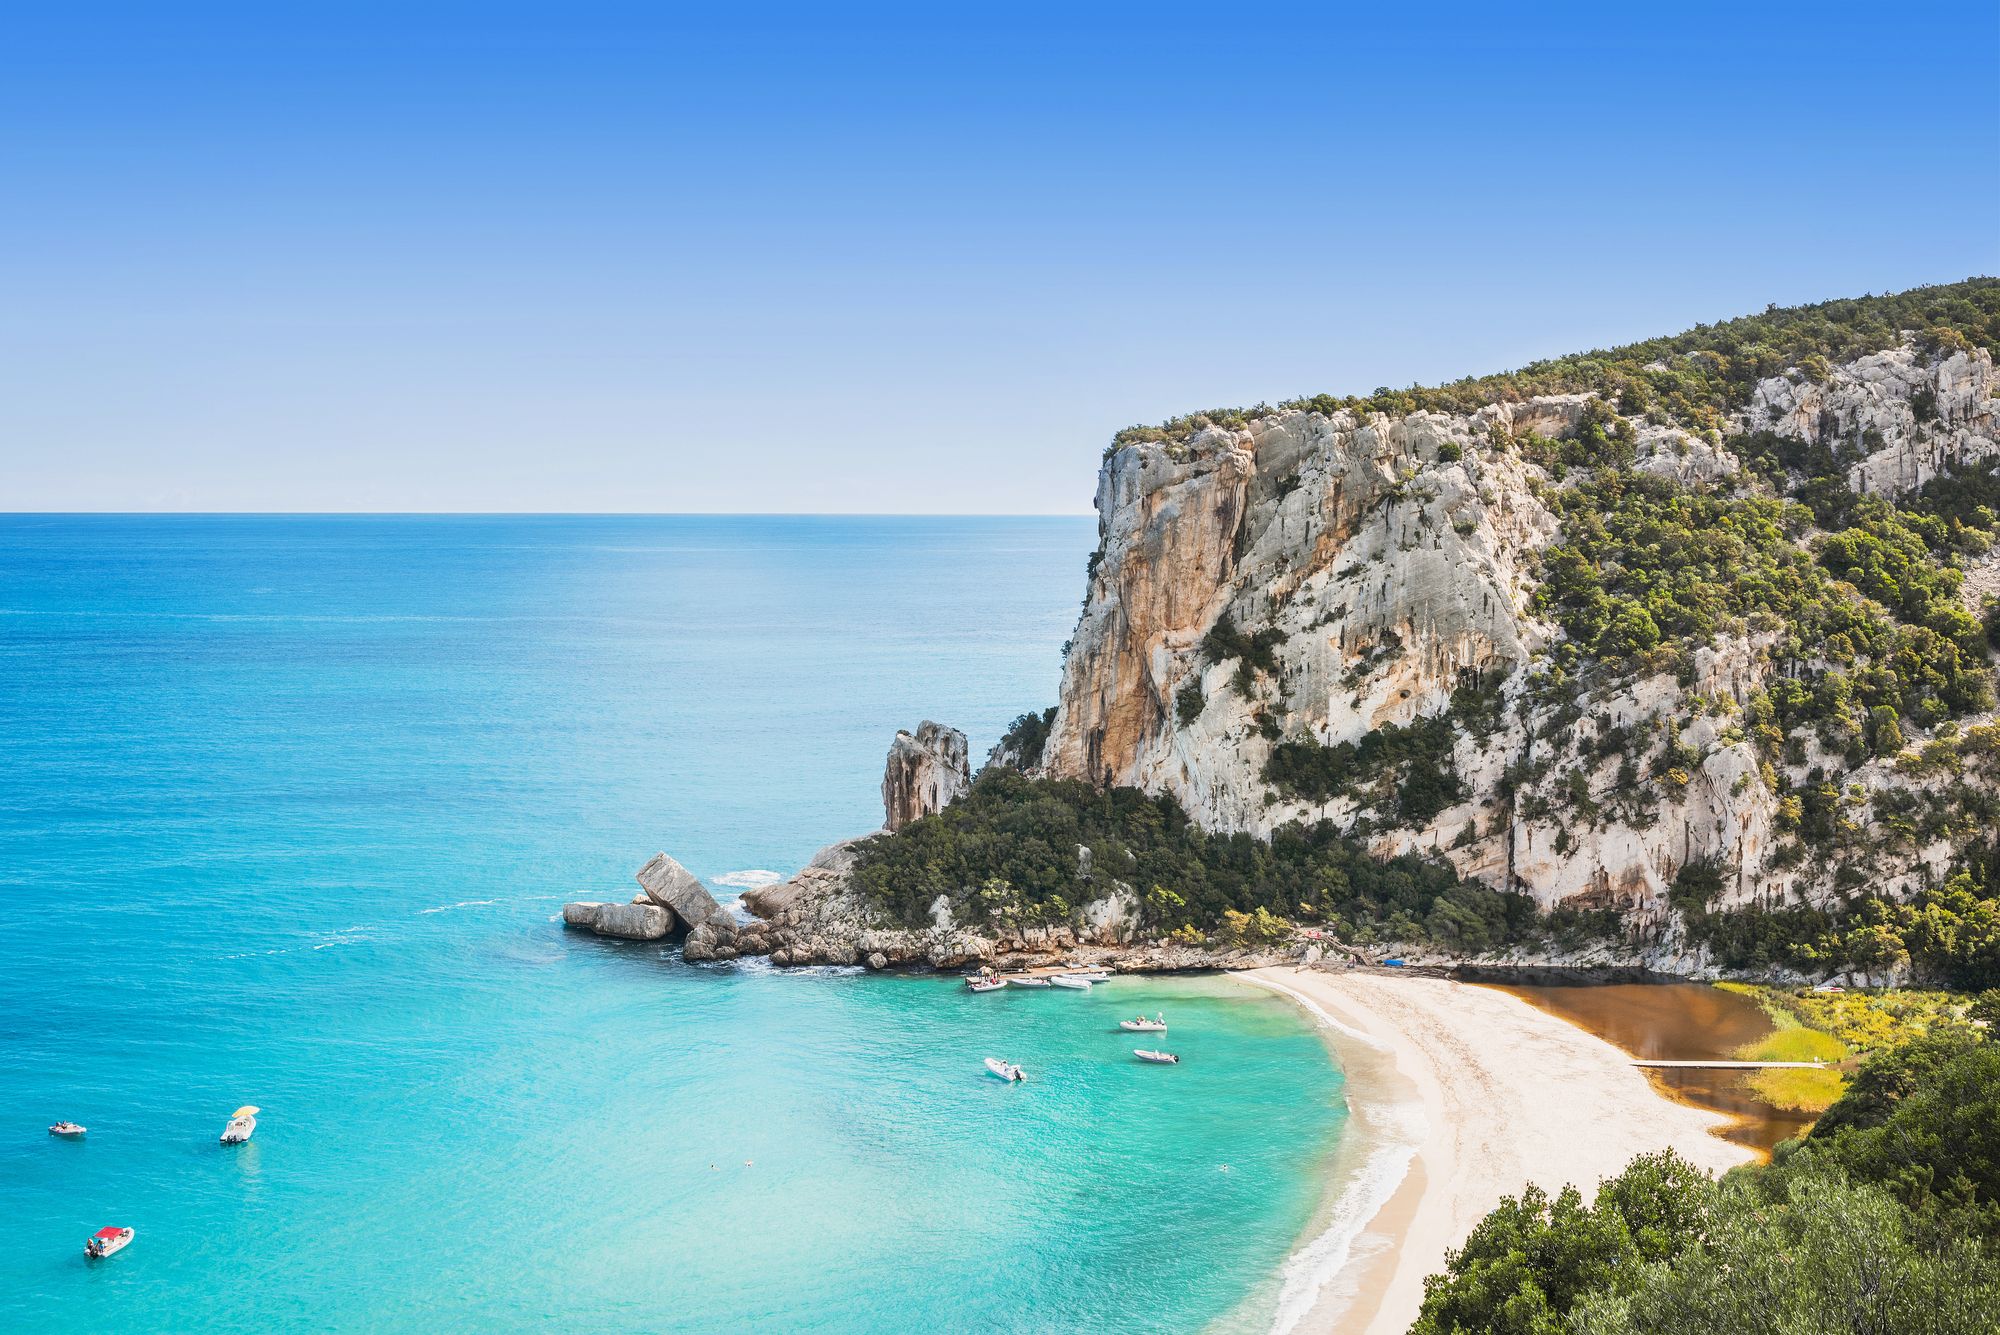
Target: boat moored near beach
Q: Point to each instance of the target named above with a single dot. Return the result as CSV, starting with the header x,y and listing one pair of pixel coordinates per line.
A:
x,y
69,1129
106,1241
1023,980
1070,981
1005,1070
242,1124
986,984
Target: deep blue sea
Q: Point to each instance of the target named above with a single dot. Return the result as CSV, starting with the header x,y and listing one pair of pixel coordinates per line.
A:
x,y
288,809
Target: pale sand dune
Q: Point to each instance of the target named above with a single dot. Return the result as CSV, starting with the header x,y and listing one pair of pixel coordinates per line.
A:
x,y
1509,1095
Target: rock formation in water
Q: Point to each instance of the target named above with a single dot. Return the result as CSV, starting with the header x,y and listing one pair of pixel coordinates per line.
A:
x,y
672,886
669,899
632,922
925,773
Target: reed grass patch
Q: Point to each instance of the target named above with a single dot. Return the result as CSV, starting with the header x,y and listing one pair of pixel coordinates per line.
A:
x,y
1797,1044
1797,1089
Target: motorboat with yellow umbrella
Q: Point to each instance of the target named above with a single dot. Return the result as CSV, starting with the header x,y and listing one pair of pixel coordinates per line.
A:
x,y
242,1124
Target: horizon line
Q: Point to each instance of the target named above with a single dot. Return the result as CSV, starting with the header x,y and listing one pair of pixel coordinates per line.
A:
x,y
548,514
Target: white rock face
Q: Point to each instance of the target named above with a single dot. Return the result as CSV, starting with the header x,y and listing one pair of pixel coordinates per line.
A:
x,y
1388,562
926,772
1901,418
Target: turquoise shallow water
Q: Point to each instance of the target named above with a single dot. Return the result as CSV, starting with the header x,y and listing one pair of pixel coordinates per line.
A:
x,y
287,807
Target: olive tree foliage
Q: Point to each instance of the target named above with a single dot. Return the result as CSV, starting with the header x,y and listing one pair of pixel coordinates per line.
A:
x,y
1528,1262
1829,1257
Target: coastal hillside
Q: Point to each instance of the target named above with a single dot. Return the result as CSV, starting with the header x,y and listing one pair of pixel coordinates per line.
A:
x,y
1678,656
1698,624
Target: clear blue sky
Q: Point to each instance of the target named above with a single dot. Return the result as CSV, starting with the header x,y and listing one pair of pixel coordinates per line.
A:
x,y
585,256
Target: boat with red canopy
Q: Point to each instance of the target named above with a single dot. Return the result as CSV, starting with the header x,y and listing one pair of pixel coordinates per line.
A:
x,y
106,1241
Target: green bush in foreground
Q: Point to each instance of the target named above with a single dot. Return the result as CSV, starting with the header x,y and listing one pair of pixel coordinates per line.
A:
x,y
1885,1219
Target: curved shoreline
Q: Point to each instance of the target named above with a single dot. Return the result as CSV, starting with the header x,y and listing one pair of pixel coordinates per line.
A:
x,y
1471,1094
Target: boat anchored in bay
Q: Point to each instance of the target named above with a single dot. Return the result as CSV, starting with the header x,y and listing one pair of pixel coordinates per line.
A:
x,y
242,1125
106,1241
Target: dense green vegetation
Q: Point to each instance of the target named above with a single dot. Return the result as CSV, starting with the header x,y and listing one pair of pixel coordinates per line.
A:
x,y
1694,378
1868,619
1028,736
1405,769
1864,1021
1947,936
1885,1219
1005,855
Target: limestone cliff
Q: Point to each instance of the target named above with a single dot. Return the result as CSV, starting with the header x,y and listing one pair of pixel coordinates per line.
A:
x,y
1320,576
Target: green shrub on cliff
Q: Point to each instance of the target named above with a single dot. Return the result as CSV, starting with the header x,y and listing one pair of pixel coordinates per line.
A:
x,y
1869,618
1694,378
1007,850
1404,768
1028,736
1948,935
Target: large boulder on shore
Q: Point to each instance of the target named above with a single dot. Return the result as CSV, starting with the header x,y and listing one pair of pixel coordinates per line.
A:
x,y
673,887
926,772
631,922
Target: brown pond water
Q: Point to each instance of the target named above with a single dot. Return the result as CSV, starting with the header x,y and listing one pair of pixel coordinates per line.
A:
x,y
1680,1022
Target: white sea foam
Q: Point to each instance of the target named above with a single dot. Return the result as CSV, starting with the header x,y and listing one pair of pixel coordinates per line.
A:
x,y
748,880
461,904
1391,1130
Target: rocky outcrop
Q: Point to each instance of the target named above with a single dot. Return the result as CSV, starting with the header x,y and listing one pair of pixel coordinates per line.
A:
x,y
632,922
1905,417
670,899
926,771
710,941
672,886
1387,560
819,917
1370,567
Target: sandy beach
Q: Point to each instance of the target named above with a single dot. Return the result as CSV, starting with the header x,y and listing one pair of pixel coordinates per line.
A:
x,y
1486,1094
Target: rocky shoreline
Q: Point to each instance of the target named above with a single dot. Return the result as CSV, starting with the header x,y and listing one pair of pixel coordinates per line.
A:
x,y
818,917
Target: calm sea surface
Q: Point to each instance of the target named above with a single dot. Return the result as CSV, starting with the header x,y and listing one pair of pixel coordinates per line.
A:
x,y
288,808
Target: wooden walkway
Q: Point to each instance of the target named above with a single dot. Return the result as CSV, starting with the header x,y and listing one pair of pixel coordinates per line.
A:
x,y
1734,1065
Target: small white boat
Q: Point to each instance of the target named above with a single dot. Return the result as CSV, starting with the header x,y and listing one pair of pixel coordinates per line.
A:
x,y
1005,1070
106,1241
986,984
1022,980
1142,1025
242,1123
1163,1058
1070,981
70,1129
1094,974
